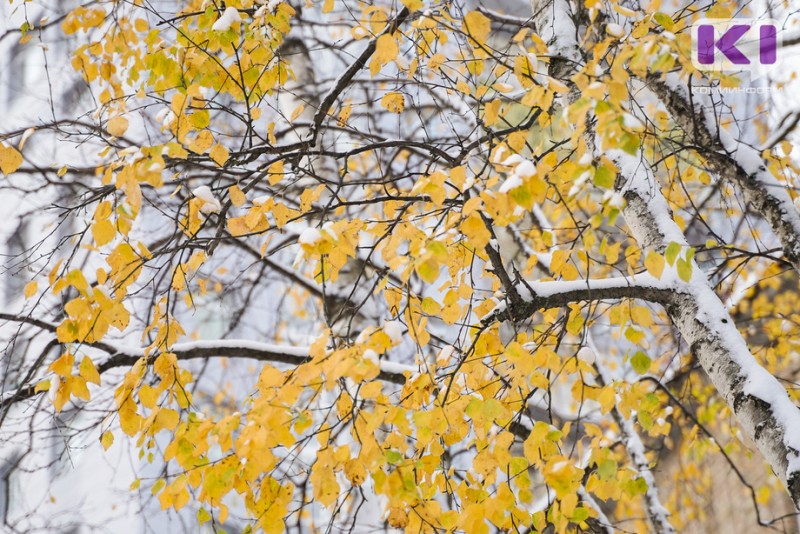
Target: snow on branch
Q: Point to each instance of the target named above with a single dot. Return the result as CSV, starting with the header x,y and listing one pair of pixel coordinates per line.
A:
x,y
635,448
537,295
755,396
734,161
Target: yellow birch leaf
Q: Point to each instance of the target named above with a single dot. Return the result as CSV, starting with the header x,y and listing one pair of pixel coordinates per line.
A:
x,y
202,143
492,112
31,288
386,50
654,262
117,126
413,5
63,365
393,102
103,232
10,159
344,115
436,60
476,231
477,26
88,371
237,226
275,172
219,154
107,439
297,112
237,196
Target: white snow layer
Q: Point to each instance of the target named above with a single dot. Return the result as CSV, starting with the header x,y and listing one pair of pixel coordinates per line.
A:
x,y
227,19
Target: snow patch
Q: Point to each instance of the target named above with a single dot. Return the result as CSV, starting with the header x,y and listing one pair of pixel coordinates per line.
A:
x,y
512,182
227,19
394,329
310,236
210,202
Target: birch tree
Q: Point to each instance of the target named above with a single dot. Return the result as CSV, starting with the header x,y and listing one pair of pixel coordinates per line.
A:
x,y
431,266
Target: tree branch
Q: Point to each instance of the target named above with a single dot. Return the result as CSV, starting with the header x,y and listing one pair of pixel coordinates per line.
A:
x,y
759,402
734,161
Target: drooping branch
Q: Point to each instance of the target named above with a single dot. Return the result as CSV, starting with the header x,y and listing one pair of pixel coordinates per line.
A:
x,y
122,356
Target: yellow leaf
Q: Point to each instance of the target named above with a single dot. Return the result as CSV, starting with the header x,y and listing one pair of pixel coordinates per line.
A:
x,y
31,288
393,102
386,50
148,396
474,228
44,385
203,516
237,196
88,371
413,5
117,126
355,472
103,232
276,172
63,365
477,26
237,226
297,112
10,159
492,112
327,7
654,262
436,60
428,271
107,439
219,154
344,114
202,143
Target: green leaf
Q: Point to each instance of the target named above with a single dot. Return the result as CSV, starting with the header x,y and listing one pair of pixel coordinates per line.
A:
x,y
603,177
684,270
664,20
394,457
645,419
640,362
630,144
203,516
672,252
607,469
579,515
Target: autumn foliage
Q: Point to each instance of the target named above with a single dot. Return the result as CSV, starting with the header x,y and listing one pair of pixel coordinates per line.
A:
x,y
350,265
